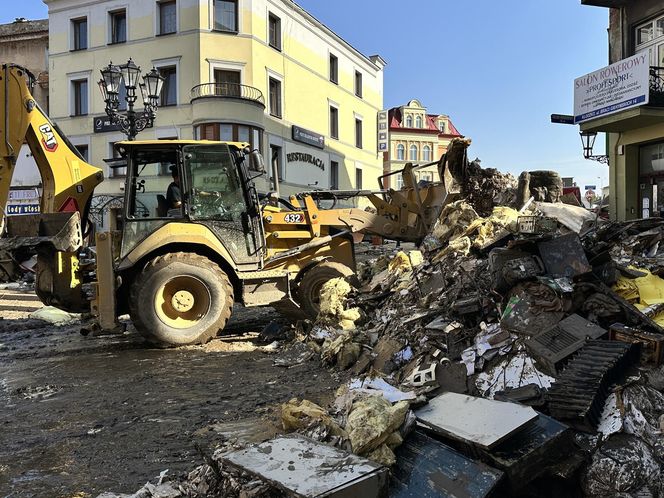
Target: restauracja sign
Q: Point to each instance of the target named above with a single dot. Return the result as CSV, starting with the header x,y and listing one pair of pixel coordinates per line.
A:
x,y
305,158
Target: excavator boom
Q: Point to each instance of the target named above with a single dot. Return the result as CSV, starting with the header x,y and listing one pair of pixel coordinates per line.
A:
x,y
68,181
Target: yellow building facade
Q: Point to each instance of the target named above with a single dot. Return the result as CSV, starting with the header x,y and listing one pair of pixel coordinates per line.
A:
x,y
415,136
260,71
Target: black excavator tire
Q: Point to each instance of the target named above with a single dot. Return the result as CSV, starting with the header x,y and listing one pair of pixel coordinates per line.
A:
x,y
162,270
313,280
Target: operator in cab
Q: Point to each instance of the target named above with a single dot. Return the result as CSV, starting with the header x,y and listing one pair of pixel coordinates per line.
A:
x,y
173,194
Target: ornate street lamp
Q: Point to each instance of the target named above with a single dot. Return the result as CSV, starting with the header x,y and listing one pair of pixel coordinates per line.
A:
x,y
130,122
588,142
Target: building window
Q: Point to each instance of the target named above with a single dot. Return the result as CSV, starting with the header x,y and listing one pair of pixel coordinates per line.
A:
x,y
334,122
275,31
334,69
334,175
358,178
116,172
426,153
649,37
227,83
277,163
358,84
225,15
169,92
80,30
231,133
409,121
118,26
418,122
399,177
80,97
401,152
412,156
358,133
83,151
275,98
167,17
441,126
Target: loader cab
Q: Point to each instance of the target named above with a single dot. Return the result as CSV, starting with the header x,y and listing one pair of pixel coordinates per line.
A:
x,y
215,191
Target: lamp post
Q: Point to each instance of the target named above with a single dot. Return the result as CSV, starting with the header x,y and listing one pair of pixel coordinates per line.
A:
x,y
131,122
588,142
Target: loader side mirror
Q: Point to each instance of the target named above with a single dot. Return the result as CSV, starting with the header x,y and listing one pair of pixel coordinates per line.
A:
x,y
256,162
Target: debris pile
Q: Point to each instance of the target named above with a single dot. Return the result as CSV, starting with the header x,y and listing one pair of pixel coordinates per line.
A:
x,y
545,308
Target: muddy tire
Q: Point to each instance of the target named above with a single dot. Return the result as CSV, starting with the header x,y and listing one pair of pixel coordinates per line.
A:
x,y
313,280
181,298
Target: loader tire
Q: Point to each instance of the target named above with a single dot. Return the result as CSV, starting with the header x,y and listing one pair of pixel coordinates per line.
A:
x,y
179,299
313,280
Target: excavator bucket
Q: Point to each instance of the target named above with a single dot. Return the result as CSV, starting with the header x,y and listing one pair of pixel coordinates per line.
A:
x,y
56,231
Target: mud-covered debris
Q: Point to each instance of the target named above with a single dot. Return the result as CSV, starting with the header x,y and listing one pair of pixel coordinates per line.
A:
x,y
307,416
373,422
298,466
623,466
333,297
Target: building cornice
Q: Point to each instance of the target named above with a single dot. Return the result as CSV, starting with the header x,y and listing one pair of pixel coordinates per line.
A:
x,y
376,61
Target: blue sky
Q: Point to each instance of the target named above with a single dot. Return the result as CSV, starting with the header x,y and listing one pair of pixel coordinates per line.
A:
x,y
498,69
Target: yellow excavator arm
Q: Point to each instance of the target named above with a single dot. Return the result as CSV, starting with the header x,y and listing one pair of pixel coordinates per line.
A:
x,y
57,234
68,181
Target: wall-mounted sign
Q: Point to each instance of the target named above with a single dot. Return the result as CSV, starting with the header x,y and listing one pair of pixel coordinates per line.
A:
x,y
614,88
24,194
303,157
308,137
102,125
562,118
21,209
383,137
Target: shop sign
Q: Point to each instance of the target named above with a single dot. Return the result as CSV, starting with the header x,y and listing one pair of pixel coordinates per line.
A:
x,y
23,194
303,157
21,209
104,124
308,137
383,139
617,87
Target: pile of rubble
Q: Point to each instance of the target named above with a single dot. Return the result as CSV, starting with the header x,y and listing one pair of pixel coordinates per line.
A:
x,y
527,344
516,353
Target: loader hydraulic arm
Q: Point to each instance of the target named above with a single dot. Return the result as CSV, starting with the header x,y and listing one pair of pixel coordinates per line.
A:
x,y
68,181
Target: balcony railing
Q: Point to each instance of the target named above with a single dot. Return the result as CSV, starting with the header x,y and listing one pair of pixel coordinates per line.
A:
x,y
228,90
656,86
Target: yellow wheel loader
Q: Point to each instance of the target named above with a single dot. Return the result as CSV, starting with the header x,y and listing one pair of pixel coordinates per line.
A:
x,y
178,270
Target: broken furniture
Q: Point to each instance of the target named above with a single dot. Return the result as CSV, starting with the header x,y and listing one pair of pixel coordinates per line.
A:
x,y
652,345
302,467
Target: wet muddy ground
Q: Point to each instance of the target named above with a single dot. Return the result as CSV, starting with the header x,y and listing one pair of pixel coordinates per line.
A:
x,y
108,413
